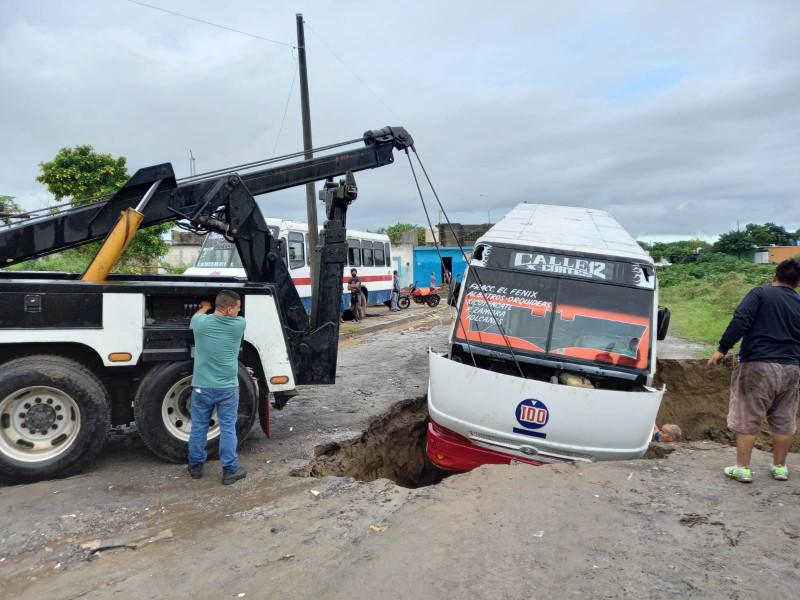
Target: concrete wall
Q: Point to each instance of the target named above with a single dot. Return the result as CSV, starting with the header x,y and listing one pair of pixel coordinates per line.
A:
x,y
778,254
403,262
184,248
465,235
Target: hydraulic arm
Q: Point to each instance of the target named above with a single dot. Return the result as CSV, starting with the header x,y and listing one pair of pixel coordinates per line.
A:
x,y
226,204
172,202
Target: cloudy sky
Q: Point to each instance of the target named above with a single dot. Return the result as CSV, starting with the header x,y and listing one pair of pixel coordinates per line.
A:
x,y
680,118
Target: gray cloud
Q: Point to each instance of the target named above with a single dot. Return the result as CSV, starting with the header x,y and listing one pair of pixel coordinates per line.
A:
x,y
679,119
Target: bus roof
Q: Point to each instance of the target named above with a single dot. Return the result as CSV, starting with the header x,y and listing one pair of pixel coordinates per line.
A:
x,y
303,227
564,228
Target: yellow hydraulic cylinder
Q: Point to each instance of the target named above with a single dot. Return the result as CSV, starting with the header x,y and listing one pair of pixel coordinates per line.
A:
x,y
113,246
118,239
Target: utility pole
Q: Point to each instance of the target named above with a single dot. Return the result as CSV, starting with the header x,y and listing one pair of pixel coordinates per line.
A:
x,y
311,200
191,164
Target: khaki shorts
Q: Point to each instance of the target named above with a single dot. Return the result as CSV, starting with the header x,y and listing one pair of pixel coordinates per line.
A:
x,y
760,389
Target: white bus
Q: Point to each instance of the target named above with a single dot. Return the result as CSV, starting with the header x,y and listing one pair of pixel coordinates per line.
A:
x,y
370,253
553,352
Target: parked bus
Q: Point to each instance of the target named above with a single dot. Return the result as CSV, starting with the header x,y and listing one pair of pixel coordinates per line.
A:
x,y
553,351
370,253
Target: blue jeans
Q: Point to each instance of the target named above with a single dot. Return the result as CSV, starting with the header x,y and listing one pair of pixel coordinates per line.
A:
x,y
394,297
203,402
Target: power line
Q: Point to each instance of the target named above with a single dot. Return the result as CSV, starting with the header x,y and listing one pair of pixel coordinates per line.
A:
x,y
378,98
285,109
177,14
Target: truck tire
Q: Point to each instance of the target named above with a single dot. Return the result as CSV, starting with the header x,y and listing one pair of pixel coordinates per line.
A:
x,y
433,300
54,418
162,410
403,302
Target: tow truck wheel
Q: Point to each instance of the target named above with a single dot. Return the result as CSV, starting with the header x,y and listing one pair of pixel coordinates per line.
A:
x,y
403,302
433,300
162,409
54,418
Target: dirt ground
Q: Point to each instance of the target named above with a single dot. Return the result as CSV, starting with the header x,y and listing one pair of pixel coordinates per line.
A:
x,y
135,527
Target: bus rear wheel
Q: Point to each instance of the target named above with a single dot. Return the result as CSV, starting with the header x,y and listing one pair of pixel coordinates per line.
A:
x,y
162,409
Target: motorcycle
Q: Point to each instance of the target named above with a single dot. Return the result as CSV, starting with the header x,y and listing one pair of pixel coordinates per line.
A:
x,y
419,295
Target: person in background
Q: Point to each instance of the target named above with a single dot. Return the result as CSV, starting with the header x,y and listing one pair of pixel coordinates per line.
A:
x,y
395,292
766,379
354,285
215,383
668,432
433,279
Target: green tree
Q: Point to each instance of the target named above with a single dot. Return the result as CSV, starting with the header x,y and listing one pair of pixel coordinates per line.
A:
x,y
736,243
9,207
767,234
677,252
395,231
82,176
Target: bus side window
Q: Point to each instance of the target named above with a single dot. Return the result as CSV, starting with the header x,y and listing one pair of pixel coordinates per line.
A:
x,y
379,256
387,254
297,252
366,254
353,252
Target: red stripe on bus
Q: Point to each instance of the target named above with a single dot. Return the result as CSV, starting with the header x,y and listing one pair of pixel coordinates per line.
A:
x,y
370,278
364,279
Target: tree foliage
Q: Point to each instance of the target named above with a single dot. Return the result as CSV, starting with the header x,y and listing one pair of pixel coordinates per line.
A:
x,y
9,206
736,243
768,234
677,252
395,231
82,176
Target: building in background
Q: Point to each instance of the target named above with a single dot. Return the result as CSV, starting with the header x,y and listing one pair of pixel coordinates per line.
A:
x,y
774,255
184,248
403,257
427,261
456,234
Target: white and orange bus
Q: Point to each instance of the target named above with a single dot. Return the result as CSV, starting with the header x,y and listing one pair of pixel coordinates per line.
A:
x,y
553,353
368,252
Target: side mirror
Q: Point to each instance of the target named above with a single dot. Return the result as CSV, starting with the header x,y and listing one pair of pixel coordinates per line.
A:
x,y
663,323
453,299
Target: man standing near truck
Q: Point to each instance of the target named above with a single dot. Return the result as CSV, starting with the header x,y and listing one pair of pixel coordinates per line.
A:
x,y
765,382
215,383
356,301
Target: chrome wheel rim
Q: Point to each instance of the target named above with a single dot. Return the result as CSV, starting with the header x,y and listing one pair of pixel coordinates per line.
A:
x,y
176,411
38,423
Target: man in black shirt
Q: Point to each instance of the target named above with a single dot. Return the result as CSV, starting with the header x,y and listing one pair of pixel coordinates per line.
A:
x,y
765,382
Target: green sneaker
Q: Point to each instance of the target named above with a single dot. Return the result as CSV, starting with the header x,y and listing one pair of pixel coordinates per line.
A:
x,y
743,474
779,472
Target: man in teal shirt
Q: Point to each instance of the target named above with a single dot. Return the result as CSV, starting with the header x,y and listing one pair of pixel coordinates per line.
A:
x,y
215,383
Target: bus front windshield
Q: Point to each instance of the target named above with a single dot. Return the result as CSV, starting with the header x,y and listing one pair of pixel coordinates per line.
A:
x,y
218,252
556,316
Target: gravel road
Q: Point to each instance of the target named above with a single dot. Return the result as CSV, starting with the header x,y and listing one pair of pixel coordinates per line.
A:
x,y
135,527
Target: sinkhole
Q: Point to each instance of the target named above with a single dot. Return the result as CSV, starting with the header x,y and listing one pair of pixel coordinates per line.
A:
x,y
392,447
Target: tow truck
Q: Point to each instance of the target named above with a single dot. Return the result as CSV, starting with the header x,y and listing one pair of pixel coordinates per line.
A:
x,y
81,354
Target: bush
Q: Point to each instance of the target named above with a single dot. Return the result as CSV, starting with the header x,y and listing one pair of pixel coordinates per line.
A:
x,y
703,295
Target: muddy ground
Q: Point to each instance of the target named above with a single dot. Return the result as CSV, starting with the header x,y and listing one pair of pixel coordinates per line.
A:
x,y
135,527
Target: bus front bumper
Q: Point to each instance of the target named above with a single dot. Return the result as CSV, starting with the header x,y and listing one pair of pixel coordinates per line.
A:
x,y
452,452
